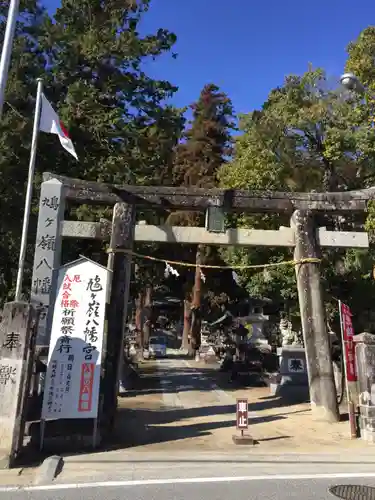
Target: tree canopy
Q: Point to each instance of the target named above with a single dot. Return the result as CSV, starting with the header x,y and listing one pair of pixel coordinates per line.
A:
x,y
90,56
309,135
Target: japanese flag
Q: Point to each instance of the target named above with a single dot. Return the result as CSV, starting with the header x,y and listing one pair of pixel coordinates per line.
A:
x,y
50,123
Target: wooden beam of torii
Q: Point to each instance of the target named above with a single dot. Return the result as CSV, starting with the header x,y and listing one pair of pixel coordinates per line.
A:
x,y
232,200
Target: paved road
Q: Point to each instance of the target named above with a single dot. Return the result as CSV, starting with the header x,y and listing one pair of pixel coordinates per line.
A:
x,y
257,489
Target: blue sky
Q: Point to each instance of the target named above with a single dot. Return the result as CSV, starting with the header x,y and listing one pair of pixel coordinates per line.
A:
x,y
247,46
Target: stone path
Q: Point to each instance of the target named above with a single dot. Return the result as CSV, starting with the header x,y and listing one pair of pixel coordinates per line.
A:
x,y
184,405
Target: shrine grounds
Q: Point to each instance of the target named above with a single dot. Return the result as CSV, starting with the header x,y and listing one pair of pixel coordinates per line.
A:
x,y
179,419
187,405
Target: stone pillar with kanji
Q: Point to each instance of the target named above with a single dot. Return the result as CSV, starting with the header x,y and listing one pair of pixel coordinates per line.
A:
x,y
365,363
17,336
47,252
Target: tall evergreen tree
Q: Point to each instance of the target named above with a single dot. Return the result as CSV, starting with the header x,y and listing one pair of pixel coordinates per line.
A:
x,y
115,111
206,145
90,56
208,142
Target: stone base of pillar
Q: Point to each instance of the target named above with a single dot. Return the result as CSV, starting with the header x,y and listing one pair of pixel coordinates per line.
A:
x,y
291,381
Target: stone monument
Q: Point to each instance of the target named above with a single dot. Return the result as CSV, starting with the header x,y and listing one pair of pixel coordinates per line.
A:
x,y
292,380
365,362
17,336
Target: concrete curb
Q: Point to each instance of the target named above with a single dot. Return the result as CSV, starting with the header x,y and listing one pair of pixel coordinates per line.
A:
x,y
49,470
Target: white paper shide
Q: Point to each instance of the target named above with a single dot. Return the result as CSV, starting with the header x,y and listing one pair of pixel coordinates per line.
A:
x,y
77,334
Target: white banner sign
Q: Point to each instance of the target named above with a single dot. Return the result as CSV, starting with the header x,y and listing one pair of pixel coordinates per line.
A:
x,y
77,334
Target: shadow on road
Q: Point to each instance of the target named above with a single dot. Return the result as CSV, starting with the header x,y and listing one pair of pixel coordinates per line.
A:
x,y
141,427
148,420
145,425
150,384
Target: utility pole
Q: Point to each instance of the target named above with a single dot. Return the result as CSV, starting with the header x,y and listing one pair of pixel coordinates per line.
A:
x,y
7,49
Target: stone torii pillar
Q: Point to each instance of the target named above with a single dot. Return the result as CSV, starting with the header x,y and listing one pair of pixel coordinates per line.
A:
x,y
318,355
122,237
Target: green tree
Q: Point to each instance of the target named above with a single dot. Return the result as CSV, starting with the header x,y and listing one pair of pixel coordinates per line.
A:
x,y
361,56
306,137
208,141
205,146
90,57
115,111
118,111
361,53
27,63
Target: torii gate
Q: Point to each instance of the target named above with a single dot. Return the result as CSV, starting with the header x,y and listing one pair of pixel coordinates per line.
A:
x,y
123,231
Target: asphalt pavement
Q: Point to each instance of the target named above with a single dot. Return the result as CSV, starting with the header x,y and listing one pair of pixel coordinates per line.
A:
x,y
287,488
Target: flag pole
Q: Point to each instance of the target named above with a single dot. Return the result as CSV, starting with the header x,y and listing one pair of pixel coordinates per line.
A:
x,y
29,190
7,48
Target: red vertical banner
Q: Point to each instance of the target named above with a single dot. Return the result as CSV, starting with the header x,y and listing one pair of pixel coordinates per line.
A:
x,y
85,392
348,344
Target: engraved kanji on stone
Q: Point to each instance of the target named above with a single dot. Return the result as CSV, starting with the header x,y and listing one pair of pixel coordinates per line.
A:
x,y
47,242
52,202
12,340
7,374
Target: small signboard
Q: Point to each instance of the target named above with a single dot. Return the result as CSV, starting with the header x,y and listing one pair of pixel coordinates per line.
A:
x,y
242,414
77,334
215,219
